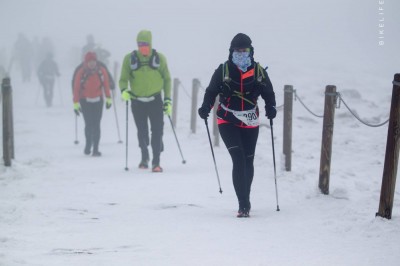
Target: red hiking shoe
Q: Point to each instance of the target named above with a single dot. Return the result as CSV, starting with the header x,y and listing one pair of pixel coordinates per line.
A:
x,y
157,169
243,213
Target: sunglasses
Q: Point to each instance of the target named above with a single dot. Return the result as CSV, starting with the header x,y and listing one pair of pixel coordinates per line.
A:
x,y
143,44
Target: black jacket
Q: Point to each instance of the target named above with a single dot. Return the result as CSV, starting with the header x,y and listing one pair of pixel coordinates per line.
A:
x,y
238,92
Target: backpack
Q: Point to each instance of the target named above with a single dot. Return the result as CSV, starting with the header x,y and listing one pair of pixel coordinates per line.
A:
x,y
88,72
259,76
154,61
100,64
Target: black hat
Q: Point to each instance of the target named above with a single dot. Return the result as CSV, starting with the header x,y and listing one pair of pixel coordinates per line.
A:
x,y
241,40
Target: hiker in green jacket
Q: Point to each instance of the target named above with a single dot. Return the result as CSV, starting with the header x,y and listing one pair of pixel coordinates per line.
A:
x,y
147,73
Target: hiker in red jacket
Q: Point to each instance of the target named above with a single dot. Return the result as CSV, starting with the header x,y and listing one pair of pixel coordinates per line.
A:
x,y
91,84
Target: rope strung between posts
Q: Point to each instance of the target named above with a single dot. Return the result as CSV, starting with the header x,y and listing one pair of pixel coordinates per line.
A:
x,y
296,97
356,116
308,109
201,87
184,89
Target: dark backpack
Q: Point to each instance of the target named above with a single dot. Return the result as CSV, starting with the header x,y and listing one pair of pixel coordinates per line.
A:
x,y
227,91
154,61
259,75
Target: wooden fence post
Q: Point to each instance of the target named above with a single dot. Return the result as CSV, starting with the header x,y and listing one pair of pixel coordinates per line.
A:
x,y
287,125
175,101
8,130
327,136
195,90
215,124
392,154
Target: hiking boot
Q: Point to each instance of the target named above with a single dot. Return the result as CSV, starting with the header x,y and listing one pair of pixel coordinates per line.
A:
x,y
243,213
157,169
96,154
86,151
144,164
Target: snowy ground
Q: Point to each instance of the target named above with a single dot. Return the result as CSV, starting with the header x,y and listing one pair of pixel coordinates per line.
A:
x,y
60,207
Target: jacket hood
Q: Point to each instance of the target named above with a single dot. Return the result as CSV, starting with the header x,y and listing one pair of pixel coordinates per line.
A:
x,y
144,36
89,56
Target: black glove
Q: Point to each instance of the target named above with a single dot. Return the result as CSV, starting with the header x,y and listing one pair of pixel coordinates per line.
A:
x,y
270,112
203,112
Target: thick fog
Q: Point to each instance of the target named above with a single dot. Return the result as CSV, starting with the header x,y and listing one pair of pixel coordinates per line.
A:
x,y
60,207
291,37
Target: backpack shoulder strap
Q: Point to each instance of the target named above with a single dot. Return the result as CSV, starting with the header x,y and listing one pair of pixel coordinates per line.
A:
x,y
135,63
101,75
260,75
75,73
225,72
86,73
154,60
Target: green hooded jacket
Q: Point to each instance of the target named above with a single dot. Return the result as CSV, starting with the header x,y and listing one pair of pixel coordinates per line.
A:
x,y
145,81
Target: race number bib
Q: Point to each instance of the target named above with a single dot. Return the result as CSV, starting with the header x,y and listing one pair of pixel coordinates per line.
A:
x,y
249,117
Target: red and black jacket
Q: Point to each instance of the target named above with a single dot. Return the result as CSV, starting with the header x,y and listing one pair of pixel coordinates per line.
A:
x,y
90,83
240,92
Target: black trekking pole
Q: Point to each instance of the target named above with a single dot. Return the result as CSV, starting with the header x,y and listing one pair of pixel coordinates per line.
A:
x,y
116,116
177,142
273,154
76,130
126,137
212,151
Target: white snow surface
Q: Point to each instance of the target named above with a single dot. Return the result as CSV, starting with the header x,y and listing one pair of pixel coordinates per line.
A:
x,y
59,207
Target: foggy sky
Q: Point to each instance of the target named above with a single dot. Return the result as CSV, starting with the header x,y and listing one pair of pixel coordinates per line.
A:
x,y
195,35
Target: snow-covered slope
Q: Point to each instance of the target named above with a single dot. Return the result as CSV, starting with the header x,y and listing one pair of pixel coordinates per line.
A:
x,y
60,207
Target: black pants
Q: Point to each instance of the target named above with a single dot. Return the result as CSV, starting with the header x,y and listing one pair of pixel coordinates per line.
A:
x,y
92,113
241,144
48,86
143,112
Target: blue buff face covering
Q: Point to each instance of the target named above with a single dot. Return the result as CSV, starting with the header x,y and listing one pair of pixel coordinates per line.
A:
x,y
242,60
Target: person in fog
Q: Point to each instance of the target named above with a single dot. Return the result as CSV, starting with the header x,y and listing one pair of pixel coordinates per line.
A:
x,y
90,86
146,73
102,57
23,55
91,46
47,73
239,82
2,73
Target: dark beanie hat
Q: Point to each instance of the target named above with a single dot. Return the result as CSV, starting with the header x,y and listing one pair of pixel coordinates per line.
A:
x,y
241,40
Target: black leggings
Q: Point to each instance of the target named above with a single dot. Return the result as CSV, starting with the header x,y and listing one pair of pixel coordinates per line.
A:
x,y
92,113
142,113
241,144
